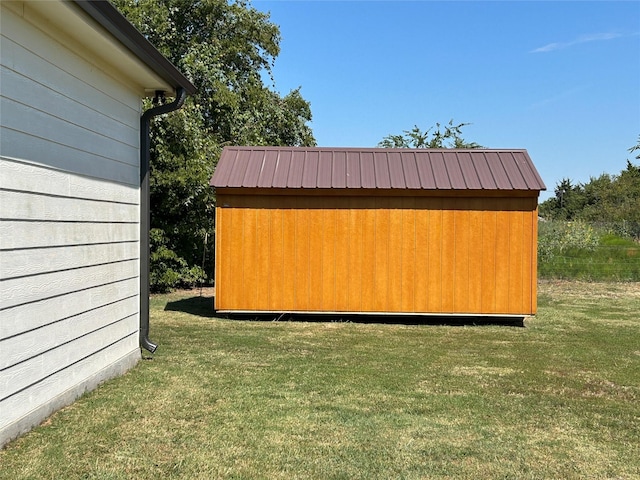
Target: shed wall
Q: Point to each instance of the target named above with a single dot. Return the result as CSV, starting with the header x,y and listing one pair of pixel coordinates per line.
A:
x,y
69,223
406,254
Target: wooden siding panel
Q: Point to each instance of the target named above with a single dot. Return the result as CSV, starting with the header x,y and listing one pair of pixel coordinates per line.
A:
x,y
382,254
394,254
448,253
516,262
342,259
302,255
422,257
263,257
250,258
316,257
434,286
369,264
328,254
488,262
503,259
408,255
354,263
527,261
534,258
289,235
236,267
476,253
223,244
276,262
461,257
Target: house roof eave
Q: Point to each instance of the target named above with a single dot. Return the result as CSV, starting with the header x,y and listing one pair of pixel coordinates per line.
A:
x,y
109,18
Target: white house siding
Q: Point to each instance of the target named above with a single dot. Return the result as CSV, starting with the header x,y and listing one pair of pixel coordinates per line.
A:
x,y
69,223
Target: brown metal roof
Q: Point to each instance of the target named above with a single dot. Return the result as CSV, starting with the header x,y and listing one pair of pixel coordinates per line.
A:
x,y
349,168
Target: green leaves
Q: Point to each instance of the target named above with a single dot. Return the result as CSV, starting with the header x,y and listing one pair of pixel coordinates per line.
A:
x,y
226,49
445,136
608,199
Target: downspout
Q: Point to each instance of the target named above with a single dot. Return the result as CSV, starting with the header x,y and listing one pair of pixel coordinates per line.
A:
x,y
145,210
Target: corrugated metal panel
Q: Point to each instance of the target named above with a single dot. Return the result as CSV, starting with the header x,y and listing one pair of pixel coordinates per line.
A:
x,y
351,168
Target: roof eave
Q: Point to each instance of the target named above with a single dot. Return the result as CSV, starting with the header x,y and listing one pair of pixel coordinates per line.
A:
x,y
107,16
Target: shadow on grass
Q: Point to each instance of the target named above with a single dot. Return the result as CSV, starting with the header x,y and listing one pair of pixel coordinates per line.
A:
x,y
204,307
446,320
201,306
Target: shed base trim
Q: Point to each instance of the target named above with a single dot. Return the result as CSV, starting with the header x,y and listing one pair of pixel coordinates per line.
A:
x,y
388,314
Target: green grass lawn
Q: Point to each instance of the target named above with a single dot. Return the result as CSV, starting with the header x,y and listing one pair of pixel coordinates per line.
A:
x,y
559,398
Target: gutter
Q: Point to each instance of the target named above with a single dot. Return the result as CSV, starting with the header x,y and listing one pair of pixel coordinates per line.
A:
x,y
145,210
117,26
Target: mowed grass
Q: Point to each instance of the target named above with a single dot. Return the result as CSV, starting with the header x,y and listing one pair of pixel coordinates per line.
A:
x,y
559,398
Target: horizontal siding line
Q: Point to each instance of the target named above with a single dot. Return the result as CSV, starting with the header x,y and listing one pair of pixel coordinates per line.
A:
x,y
70,197
70,292
70,317
68,366
71,147
69,341
74,100
46,220
43,166
66,121
51,247
88,265
65,72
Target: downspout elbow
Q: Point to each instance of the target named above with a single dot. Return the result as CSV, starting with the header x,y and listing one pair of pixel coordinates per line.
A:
x,y
145,215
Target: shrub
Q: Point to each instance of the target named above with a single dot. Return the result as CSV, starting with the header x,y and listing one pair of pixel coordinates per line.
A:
x,y
557,237
168,270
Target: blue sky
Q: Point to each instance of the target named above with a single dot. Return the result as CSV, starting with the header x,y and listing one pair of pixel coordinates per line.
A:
x,y
561,79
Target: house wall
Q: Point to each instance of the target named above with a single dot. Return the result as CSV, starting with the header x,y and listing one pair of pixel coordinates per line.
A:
x,y
408,254
69,222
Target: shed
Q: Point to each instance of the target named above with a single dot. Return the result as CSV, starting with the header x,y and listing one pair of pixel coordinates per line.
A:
x,y
380,231
73,200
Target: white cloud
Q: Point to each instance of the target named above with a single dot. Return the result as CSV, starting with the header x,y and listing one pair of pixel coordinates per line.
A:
x,y
596,37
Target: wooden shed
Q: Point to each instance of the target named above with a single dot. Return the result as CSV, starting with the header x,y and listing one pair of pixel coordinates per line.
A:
x,y
385,231
74,203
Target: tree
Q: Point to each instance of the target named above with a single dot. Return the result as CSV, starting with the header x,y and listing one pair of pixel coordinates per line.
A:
x,y
636,148
447,136
226,49
609,200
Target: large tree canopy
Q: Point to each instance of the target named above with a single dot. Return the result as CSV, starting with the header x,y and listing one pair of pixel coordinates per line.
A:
x,y
227,50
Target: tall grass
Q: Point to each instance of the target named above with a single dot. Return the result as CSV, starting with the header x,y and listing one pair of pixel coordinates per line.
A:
x,y
576,250
330,400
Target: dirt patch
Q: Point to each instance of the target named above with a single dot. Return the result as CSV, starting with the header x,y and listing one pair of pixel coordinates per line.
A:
x,y
589,289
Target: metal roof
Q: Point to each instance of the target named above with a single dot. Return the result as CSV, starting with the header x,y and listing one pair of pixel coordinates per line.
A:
x,y
376,168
